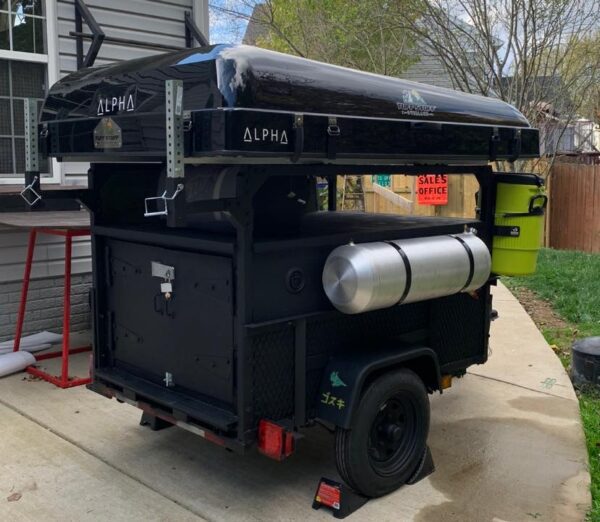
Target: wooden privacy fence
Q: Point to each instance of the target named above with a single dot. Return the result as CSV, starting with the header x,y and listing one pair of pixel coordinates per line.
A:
x,y
400,197
574,210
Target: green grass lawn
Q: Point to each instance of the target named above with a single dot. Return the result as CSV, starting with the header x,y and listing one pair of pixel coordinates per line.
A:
x,y
570,283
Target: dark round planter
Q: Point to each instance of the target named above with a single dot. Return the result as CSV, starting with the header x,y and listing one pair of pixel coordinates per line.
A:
x,y
585,368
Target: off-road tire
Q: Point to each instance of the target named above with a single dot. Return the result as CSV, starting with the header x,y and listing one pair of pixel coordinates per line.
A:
x,y
388,434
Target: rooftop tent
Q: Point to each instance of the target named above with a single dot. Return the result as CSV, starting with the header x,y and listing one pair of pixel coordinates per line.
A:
x,y
245,101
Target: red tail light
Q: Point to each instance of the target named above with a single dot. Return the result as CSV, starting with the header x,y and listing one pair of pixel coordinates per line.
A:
x,y
274,441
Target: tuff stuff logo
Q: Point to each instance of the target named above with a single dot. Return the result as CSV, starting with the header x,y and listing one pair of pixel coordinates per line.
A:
x,y
413,104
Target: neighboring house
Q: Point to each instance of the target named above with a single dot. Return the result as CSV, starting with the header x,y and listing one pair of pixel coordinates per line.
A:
x,y
35,51
429,69
580,136
255,28
560,133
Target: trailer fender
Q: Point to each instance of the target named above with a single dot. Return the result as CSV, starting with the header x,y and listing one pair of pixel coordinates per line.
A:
x,y
345,377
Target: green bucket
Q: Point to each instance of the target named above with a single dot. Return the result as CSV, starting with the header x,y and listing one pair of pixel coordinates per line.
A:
x,y
519,223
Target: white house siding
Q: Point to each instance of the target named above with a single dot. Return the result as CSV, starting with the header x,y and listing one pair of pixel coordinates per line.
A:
x,y
430,70
150,22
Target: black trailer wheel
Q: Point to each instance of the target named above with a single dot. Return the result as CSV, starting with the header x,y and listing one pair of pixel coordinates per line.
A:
x,y
388,436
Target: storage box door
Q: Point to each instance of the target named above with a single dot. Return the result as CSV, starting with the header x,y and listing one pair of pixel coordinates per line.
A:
x,y
183,340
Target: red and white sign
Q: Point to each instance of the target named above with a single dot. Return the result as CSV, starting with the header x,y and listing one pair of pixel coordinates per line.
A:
x,y
432,189
328,495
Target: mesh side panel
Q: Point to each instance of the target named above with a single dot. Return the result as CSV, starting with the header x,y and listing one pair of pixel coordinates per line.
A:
x,y
273,374
6,160
4,115
19,117
28,79
20,154
457,328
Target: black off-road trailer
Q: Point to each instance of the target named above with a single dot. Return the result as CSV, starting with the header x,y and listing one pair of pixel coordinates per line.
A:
x,y
210,303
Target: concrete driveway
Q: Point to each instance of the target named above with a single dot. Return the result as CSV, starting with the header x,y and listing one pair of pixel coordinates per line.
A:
x,y
506,439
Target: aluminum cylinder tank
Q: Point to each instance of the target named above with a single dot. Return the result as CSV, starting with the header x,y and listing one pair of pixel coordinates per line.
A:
x,y
370,276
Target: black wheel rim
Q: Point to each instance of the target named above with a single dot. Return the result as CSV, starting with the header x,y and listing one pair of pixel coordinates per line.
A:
x,y
393,435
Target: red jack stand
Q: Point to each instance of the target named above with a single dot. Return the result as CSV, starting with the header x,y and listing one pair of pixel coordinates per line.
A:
x,y
62,381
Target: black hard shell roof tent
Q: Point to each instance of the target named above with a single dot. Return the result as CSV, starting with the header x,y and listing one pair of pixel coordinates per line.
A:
x,y
243,102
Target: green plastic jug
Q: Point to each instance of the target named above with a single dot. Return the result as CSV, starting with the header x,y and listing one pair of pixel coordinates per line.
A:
x,y
519,223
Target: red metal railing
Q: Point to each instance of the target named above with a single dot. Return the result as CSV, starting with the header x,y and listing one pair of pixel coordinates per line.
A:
x,y
63,380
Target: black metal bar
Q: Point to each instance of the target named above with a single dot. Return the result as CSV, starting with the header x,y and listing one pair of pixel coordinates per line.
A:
x,y
243,270
126,41
486,207
173,240
330,170
193,32
243,220
83,14
82,194
79,41
331,193
300,374
209,205
176,216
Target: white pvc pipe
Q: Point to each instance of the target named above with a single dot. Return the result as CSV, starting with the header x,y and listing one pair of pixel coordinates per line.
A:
x,y
15,362
34,340
30,349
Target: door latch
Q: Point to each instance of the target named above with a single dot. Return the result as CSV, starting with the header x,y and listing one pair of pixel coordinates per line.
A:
x,y
167,274
167,287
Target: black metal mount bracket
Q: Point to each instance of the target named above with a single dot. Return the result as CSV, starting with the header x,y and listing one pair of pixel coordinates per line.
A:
x,y
82,13
153,422
97,36
193,32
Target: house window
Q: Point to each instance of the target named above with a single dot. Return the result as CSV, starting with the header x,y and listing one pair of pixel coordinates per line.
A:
x,y
18,80
22,30
22,26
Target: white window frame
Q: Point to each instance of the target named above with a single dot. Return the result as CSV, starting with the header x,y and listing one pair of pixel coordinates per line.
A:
x,y
52,66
